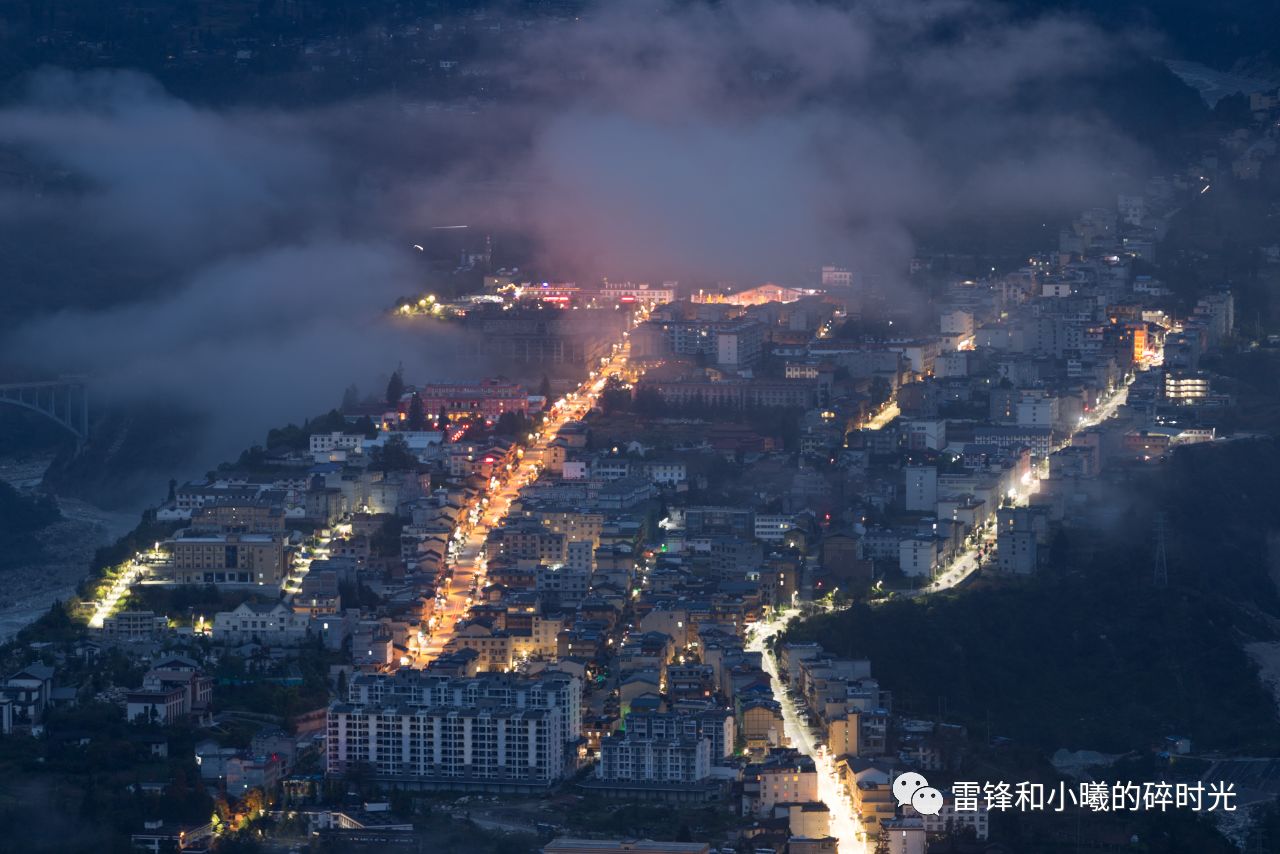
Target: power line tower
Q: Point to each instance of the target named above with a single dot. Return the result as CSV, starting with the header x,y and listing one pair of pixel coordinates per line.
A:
x,y
1161,559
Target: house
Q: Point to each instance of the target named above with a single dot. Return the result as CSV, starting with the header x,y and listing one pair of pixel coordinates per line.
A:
x,y
780,781
212,759
271,623
163,706
762,725
134,625
30,691
171,691
245,771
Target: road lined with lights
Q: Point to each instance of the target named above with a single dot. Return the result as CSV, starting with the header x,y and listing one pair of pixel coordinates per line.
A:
x,y
969,559
301,563
469,565
882,418
845,828
134,572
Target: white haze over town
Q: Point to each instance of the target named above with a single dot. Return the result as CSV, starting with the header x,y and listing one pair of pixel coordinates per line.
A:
x,y
238,261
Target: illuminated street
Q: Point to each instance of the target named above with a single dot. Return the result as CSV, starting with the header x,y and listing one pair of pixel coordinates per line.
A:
x,y
882,418
614,428
135,571
968,560
468,576
301,563
845,827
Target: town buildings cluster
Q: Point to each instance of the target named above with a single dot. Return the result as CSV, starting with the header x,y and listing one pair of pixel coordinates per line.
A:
x,y
509,590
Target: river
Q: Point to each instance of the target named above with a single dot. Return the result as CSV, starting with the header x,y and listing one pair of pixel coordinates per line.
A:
x,y
68,545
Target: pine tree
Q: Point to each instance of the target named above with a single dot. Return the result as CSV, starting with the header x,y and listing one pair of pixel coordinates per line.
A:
x,y
395,389
417,415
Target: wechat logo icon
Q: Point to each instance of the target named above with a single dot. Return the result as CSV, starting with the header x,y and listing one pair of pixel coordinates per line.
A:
x,y
912,788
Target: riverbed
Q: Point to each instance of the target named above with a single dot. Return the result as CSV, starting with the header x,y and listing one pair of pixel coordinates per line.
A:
x,y
68,545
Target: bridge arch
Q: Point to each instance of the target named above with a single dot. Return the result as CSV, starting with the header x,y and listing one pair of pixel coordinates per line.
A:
x,y
65,402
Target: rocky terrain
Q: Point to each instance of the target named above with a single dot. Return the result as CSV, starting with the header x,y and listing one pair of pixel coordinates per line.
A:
x,y
66,549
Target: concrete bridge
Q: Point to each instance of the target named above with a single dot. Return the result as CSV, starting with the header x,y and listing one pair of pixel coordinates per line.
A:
x,y
64,401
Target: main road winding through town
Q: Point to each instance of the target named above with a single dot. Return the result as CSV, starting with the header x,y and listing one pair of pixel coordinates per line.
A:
x,y
469,564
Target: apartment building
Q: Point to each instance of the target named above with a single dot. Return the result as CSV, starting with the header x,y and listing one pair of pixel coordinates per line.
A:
x,y
633,758
500,747
715,725
492,732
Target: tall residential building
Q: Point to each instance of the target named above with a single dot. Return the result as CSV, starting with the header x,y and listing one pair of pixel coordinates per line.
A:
x,y
739,345
921,488
435,732
631,758
449,747
716,725
425,688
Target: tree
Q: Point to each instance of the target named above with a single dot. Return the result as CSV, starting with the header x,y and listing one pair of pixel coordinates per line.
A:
x,y
442,420
394,455
350,398
614,397
417,416
511,424
386,540
648,401
395,388
544,387
252,803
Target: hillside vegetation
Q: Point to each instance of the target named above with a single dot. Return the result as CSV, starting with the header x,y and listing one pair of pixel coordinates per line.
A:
x,y
1092,654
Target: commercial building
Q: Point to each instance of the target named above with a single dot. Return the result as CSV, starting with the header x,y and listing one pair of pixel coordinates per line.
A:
x,y
636,292
529,541
227,516
535,336
490,398
257,559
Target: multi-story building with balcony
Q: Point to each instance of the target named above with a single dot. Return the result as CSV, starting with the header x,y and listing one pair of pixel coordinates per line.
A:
x,y
633,758
493,732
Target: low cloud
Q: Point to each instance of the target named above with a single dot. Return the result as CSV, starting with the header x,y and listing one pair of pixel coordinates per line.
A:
x,y
240,258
